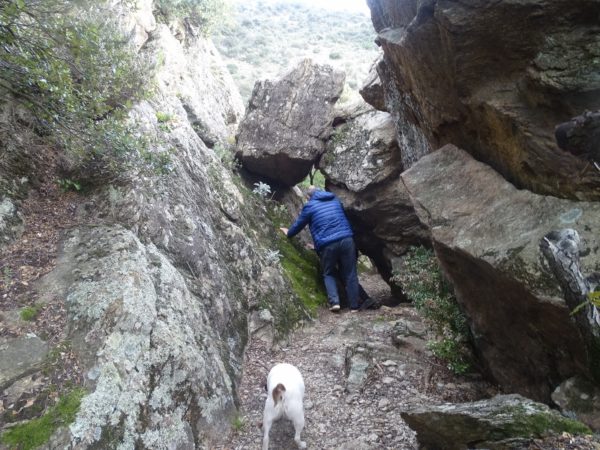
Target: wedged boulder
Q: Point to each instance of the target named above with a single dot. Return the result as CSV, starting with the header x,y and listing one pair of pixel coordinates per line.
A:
x,y
486,234
362,165
503,422
495,78
287,121
362,152
580,398
372,89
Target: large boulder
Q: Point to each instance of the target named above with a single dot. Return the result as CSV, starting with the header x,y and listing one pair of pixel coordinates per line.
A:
x,y
287,121
486,234
503,422
494,78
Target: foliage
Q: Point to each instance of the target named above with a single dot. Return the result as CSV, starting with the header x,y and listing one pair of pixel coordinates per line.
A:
x,y
36,432
163,117
314,178
30,312
66,184
252,41
226,154
238,423
78,75
423,282
262,189
204,14
272,256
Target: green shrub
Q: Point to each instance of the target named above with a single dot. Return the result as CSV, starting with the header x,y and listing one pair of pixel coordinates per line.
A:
x,y
423,282
335,55
77,74
163,117
205,14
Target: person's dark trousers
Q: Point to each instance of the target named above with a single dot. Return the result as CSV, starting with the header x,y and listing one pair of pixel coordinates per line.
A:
x,y
340,254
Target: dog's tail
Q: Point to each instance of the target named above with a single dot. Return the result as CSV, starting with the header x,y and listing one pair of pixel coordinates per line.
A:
x,y
278,393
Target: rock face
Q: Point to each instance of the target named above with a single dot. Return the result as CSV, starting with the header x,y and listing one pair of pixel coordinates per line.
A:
x,y
486,234
494,78
581,136
287,121
505,421
159,294
147,343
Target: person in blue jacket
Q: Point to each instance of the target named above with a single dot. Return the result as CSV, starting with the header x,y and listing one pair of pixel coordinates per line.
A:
x,y
333,238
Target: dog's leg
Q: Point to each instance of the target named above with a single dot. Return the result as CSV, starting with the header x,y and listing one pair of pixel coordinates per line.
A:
x,y
267,422
298,427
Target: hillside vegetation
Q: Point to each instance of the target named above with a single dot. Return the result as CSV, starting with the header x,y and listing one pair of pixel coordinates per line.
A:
x,y
262,39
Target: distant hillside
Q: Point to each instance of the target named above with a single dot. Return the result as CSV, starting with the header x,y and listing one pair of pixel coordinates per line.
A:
x,y
264,38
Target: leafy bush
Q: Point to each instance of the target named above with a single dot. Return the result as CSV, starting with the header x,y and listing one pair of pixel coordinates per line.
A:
x,y
77,74
423,282
204,14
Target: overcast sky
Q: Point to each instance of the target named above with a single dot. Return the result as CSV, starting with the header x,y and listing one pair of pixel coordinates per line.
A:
x,y
347,5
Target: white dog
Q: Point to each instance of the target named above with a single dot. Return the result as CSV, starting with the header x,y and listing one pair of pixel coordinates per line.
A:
x,y
285,392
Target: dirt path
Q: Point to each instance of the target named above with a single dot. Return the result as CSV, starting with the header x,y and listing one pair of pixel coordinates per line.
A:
x,y
360,370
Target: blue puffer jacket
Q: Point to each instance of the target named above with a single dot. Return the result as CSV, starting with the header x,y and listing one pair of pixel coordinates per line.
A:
x,y
326,219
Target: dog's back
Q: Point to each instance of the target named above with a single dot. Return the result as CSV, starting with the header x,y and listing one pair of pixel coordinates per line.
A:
x,y
285,381
285,393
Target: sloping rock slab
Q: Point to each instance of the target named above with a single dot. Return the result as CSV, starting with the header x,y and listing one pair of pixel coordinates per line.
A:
x,y
19,356
282,133
486,234
505,421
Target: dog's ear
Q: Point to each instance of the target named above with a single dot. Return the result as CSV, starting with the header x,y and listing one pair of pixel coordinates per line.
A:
x,y
278,393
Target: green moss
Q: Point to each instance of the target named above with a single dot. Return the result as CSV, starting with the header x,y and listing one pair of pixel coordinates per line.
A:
x,y
30,312
36,432
541,423
301,266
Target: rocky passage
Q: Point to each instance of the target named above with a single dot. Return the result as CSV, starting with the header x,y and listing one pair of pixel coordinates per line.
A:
x,y
360,371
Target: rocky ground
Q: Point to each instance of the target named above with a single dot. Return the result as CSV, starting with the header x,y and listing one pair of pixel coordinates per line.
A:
x,y
360,370
32,324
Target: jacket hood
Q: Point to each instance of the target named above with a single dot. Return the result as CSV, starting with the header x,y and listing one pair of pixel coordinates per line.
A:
x,y
322,196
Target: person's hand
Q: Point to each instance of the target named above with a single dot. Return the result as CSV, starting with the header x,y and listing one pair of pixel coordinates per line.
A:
x,y
284,230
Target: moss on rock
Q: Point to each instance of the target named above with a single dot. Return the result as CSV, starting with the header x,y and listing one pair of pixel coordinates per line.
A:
x,y
38,431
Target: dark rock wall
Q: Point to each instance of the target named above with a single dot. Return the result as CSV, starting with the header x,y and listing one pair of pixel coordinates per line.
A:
x,y
495,78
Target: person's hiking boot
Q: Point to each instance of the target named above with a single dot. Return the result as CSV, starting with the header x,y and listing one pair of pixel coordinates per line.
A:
x,y
368,304
354,310
335,307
